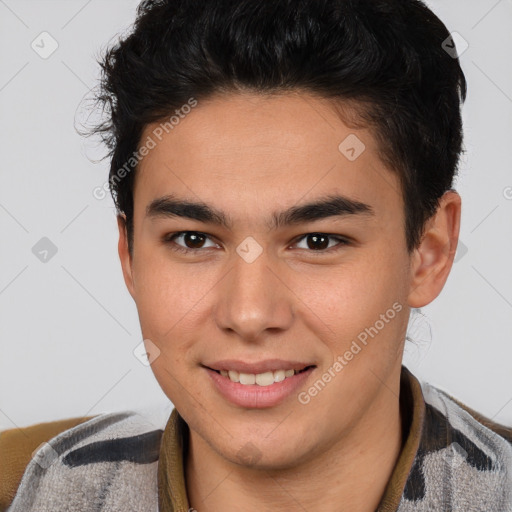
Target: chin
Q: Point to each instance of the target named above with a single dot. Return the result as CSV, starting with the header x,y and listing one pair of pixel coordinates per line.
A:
x,y
257,452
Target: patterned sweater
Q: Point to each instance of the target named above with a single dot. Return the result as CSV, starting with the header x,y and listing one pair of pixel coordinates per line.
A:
x,y
453,459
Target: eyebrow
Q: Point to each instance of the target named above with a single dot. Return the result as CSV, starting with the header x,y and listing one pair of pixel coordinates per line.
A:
x,y
331,206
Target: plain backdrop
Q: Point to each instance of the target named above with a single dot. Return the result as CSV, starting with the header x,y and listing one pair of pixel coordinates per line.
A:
x,y
68,326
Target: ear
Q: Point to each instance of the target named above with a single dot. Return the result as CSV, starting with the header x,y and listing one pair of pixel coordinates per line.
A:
x,y
433,259
124,255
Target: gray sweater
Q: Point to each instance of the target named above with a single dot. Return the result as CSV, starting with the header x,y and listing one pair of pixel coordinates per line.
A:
x,y
453,460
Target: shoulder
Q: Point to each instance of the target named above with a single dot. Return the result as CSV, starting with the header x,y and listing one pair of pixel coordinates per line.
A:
x,y
16,448
502,430
463,459
64,455
459,415
462,452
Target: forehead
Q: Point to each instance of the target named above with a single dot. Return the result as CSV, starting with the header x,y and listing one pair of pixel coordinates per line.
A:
x,y
264,151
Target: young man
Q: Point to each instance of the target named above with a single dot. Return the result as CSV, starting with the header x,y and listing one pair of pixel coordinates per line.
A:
x,y
283,177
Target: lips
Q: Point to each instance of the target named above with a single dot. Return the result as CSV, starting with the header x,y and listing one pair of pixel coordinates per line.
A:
x,y
258,385
257,395
268,365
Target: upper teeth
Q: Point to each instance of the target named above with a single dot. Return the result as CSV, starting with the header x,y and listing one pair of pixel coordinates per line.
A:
x,y
262,379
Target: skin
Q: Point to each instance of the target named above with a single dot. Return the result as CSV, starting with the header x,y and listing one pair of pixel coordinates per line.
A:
x,y
249,156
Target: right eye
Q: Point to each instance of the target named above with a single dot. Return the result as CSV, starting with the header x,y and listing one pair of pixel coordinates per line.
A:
x,y
193,241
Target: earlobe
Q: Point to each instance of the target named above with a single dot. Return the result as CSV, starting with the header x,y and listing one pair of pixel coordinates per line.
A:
x,y
124,255
433,259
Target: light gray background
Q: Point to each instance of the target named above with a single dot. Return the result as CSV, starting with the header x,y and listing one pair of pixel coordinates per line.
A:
x,y
68,327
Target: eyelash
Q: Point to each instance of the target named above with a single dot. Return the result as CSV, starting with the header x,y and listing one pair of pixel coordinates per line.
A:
x,y
169,239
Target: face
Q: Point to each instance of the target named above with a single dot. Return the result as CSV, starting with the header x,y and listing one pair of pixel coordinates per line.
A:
x,y
250,282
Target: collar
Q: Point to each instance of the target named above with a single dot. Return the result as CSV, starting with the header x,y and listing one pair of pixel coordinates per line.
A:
x,y
172,493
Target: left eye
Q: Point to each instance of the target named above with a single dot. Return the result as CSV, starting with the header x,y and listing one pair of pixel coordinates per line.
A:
x,y
320,241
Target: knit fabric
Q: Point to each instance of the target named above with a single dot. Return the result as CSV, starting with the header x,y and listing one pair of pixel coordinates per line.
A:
x,y
461,465
16,447
453,460
106,464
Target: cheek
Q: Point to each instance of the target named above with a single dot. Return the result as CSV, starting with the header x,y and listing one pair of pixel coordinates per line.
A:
x,y
167,303
172,304
359,287
347,301
166,295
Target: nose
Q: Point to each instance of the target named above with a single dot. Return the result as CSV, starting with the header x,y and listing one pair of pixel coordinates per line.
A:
x,y
253,299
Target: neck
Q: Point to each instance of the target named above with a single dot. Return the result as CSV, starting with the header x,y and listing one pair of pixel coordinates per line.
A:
x,y
351,476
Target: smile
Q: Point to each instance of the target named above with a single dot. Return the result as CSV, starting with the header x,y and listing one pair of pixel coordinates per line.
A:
x,y
259,379
258,385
